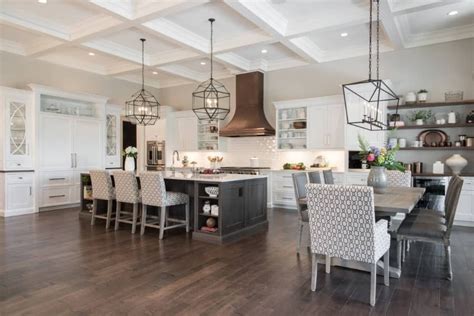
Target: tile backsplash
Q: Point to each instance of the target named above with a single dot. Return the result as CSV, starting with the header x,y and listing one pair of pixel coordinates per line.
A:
x,y
239,150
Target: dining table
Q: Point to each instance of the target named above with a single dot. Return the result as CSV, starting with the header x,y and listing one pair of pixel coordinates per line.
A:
x,y
395,200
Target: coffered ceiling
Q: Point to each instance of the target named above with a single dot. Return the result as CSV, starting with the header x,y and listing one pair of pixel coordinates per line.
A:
x,y
102,36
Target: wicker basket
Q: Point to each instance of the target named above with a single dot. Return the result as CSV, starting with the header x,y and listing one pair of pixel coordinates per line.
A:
x,y
453,96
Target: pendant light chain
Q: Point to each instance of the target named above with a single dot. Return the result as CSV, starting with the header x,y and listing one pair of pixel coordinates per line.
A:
x,y
143,63
212,45
378,37
370,42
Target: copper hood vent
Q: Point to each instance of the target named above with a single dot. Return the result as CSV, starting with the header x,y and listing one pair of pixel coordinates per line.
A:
x,y
249,118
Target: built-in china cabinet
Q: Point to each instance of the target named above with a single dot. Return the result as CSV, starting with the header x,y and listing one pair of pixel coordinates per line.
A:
x,y
113,130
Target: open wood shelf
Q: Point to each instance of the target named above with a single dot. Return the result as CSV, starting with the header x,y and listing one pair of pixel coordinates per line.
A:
x,y
457,125
208,215
429,105
438,148
208,197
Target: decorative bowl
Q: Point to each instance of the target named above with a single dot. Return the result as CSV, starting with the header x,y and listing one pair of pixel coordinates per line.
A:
x,y
299,125
212,191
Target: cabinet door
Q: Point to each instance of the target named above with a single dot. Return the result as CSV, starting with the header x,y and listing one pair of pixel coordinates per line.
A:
x,y
465,211
187,133
317,127
156,132
55,138
88,150
112,140
19,196
18,133
335,126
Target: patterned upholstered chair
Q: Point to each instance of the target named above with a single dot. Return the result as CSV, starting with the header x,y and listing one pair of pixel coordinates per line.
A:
x,y
126,191
102,189
342,225
314,177
328,177
430,228
299,183
397,178
154,194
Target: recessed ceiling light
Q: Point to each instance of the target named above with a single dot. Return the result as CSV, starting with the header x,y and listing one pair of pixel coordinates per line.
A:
x,y
264,51
451,13
91,54
344,34
43,1
203,63
155,72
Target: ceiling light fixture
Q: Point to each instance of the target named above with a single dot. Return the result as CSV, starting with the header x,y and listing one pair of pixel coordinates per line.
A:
x,y
365,101
155,72
264,51
203,63
344,34
211,99
43,1
142,108
91,54
451,13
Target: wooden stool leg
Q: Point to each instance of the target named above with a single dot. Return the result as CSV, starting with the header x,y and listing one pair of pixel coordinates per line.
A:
x,y
117,215
187,216
134,219
163,211
94,211
109,213
142,229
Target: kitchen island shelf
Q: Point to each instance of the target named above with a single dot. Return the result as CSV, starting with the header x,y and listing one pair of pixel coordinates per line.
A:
x,y
203,197
453,148
430,105
426,126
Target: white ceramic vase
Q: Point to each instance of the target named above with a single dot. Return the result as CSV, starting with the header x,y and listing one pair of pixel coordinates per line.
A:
x,y
129,164
456,162
419,122
422,97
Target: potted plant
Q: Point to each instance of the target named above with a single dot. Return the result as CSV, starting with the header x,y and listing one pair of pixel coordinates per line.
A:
x,y
130,154
421,116
379,159
422,95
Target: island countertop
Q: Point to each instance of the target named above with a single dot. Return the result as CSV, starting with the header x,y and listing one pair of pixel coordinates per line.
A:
x,y
188,176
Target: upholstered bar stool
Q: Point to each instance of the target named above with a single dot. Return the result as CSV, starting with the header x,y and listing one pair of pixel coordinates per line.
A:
x,y
126,191
299,182
328,176
314,177
102,189
154,194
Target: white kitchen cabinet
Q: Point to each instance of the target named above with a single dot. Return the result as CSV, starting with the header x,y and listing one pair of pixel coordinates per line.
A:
x,y
16,193
113,130
326,126
356,178
186,130
156,132
465,210
56,142
16,130
87,144
283,193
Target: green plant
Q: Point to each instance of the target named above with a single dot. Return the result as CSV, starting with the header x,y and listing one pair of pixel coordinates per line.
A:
x,y
86,179
420,115
423,91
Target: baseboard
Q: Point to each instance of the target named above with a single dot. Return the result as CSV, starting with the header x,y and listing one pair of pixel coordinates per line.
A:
x,y
6,213
58,207
464,223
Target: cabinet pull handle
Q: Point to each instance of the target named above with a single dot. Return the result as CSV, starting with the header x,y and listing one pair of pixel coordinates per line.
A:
x,y
288,186
72,160
18,164
31,191
57,196
56,179
20,178
285,198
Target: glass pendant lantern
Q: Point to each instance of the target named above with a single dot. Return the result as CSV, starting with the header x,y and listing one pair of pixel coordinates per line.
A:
x,y
366,100
142,108
211,99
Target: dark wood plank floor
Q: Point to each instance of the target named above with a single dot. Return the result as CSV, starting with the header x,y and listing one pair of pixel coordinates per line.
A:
x,y
55,263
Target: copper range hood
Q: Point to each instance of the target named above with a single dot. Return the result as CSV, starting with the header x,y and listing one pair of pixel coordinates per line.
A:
x,y
249,118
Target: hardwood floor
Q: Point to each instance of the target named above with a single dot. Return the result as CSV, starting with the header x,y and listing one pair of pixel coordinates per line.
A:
x,y
55,263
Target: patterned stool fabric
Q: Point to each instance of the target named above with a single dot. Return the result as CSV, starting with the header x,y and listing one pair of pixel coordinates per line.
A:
x,y
102,189
397,178
342,224
126,191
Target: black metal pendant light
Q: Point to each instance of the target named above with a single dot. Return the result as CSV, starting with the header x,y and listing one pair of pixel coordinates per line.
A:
x,y
365,100
211,100
142,108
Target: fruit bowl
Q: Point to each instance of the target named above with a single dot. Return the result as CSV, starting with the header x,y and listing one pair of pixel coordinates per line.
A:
x,y
212,191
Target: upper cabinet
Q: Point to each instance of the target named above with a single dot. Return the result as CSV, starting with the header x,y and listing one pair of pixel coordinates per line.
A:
x,y
16,132
316,123
112,136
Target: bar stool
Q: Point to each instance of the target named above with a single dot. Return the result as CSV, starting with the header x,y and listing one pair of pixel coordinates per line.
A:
x,y
126,191
102,189
154,194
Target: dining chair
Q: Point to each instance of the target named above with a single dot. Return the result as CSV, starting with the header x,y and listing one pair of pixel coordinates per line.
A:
x,y
314,177
342,225
102,189
126,191
428,228
299,183
397,178
328,176
154,194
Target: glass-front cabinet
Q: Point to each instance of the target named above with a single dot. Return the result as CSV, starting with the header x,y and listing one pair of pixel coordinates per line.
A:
x,y
18,117
112,137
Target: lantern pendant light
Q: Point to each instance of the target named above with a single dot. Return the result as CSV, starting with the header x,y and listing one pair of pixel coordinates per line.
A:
x,y
211,100
142,108
366,100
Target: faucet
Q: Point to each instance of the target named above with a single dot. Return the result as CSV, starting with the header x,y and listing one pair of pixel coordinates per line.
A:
x,y
177,158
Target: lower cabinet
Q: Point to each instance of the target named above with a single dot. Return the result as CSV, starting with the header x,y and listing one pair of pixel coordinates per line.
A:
x,y
17,193
356,178
465,209
59,187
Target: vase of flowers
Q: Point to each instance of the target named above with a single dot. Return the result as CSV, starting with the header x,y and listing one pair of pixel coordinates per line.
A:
x,y
379,160
130,154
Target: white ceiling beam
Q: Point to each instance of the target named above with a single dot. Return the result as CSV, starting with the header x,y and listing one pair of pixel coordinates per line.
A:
x,y
171,56
184,72
407,7
234,60
12,47
117,50
390,26
37,27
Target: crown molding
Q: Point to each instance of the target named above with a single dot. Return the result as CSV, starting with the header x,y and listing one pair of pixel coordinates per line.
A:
x,y
12,47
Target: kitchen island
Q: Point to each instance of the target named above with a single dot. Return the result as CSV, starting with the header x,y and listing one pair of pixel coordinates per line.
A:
x,y
242,203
